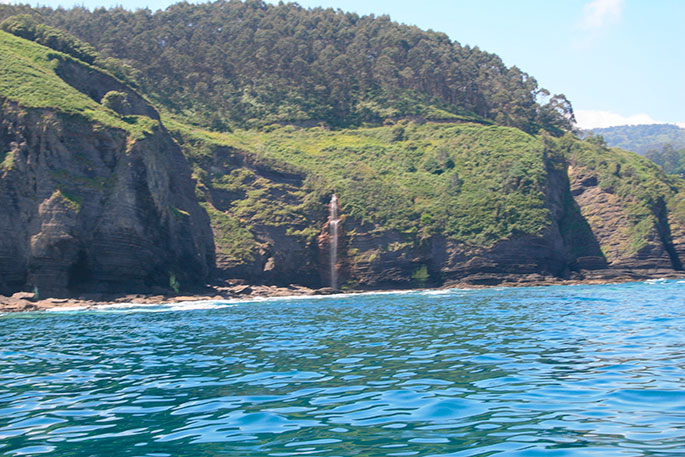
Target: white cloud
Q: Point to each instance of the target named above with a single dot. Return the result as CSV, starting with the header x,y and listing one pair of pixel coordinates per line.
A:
x,y
595,119
599,13
587,119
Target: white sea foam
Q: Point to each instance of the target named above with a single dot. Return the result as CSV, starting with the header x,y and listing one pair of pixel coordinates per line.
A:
x,y
320,297
656,281
163,307
66,309
441,291
218,304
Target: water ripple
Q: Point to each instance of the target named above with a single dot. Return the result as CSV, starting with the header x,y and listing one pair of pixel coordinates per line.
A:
x,y
558,371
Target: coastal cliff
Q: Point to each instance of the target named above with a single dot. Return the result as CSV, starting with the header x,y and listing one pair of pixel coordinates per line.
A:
x,y
101,194
90,199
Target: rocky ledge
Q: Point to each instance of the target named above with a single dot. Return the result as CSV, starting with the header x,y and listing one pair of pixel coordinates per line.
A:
x,y
27,302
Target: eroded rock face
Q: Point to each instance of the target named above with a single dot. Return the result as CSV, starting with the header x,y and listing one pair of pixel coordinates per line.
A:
x,y
277,256
589,232
677,232
86,207
613,227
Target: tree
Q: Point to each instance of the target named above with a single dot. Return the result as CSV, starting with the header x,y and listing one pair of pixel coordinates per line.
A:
x,y
254,63
557,114
597,140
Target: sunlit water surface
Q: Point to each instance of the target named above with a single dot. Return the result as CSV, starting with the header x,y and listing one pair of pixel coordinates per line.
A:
x,y
554,371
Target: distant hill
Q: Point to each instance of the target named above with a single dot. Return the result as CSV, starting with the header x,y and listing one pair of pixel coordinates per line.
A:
x,y
663,144
643,138
672,160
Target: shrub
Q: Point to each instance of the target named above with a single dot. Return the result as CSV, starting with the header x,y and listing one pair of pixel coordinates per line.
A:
x,y
116,101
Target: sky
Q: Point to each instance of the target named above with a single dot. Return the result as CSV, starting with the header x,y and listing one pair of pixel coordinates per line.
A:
x,y
619,62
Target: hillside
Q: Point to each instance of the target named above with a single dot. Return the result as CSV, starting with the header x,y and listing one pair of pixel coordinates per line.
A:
x,y
242,64
431,203
643,138
96,195
672,160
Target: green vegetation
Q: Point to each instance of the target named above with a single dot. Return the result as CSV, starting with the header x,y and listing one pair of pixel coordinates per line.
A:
x,y
28,77
72,201
478,184
116,101
672,160
26,26
643,138
421,275
174,283
472,183
75,182
178,213
234,242
677,202
245,64
7,160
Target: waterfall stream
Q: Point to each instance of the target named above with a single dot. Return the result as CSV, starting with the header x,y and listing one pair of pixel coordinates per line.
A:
x,y
333,231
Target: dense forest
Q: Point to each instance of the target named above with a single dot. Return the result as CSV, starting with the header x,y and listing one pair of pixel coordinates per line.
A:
x,y
241,64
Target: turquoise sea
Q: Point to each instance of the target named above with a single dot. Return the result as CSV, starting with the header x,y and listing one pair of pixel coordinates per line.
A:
x,y
545,371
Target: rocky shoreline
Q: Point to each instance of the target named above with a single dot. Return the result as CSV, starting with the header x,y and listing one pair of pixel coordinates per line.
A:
x,y
26,302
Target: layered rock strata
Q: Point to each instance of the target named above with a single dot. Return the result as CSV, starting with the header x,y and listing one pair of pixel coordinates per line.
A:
x,y
88,207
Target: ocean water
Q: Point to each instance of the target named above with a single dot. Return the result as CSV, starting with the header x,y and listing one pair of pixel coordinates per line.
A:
x,y
549,371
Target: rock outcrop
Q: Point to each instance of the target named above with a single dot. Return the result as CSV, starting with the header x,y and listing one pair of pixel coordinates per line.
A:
x,y
87,207
615,228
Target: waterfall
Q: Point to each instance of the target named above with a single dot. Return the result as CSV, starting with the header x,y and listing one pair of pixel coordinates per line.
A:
x,y
333,229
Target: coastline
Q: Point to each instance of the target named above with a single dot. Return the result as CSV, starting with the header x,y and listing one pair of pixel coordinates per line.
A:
x,y
25,302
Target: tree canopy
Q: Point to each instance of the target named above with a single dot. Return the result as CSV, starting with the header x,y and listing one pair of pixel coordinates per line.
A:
x,y
672,160
26,26
235,63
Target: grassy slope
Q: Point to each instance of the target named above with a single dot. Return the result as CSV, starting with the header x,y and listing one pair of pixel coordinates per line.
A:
x,y
478,184
473,183
465,181
28,77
